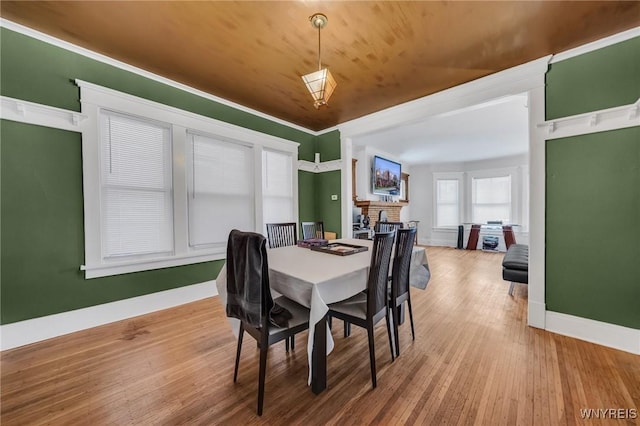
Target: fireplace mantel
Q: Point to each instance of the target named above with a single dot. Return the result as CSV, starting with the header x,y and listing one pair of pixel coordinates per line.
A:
x,y
372,208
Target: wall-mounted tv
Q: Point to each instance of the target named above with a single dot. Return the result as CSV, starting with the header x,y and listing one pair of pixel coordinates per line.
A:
x,y
386,176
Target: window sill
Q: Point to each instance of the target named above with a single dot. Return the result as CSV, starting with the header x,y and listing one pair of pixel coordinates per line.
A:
x,y
109,269
450,229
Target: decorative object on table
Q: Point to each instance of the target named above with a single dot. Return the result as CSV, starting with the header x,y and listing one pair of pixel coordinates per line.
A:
x,y
490,242
249,300
312,230
319,83
400,289
340,249
313,242
282,234
366,309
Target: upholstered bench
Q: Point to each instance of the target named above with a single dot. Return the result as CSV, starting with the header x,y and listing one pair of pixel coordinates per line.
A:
x,y
515,265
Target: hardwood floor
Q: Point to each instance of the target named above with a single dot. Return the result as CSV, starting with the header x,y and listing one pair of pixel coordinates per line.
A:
x,y
474,361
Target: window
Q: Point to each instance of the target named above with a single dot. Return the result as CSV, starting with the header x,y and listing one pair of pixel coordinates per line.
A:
x,y
220,190
136,193
491,199
447,202
163,187
277,187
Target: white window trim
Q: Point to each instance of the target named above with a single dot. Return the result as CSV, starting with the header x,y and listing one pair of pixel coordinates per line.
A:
x,y
93,98
460,177
512,172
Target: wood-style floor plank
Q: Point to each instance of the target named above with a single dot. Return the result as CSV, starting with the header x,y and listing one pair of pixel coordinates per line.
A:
x,y
474,362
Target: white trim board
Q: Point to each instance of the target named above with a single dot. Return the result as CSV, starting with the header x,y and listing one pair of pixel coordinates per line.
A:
x,y
615,118
42,115
34,330
325,166
130,68
601,333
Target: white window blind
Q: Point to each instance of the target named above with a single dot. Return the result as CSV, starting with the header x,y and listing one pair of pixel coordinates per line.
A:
x,y
277,187
447,202
220,190
491,199
136,187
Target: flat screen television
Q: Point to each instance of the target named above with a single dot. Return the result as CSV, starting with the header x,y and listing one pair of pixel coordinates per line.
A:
x,y
386,176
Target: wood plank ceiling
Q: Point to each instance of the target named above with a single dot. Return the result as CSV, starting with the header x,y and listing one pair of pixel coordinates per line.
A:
x,y
381,53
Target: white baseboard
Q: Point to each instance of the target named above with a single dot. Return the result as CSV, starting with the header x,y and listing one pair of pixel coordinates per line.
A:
x,y
611,335
537,313
441,242
38,329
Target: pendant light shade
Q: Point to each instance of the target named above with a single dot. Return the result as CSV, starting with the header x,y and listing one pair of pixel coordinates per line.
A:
x,y
321,83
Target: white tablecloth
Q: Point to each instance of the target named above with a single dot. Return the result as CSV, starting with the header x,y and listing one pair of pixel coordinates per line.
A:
x,y
316,279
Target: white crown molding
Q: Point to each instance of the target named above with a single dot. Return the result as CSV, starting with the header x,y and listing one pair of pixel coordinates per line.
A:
x,y
34,330
593,122
512,81
602,333
124,66
41,115
325,166
595,45
400,114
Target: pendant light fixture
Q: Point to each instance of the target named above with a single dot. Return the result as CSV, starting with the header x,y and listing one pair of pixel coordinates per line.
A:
x,y
319,83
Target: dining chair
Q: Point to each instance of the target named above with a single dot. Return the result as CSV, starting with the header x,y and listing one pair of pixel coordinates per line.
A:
x,y
387,226
312,230
282,234
400,288
249,300
367,308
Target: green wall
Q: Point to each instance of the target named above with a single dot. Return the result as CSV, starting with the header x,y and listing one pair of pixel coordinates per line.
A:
x,y
41,183
328,184
598,80
315,189
593,226
592,191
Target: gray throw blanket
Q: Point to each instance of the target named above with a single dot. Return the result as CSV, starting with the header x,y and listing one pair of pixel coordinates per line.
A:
x,y
248,292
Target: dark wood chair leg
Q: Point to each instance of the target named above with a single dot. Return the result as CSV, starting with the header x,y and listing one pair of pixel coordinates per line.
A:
x,y
372,354
293,340
286,344
387,319
396,318
347,329
261,378
240,334
413,333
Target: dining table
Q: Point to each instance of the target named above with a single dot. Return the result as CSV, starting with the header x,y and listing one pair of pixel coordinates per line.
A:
x,y
316,279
